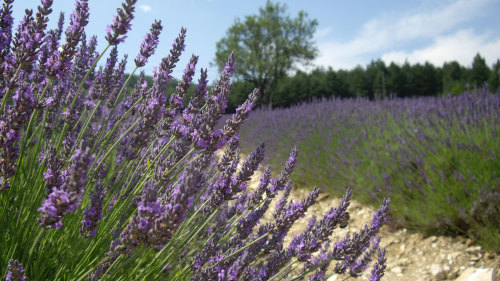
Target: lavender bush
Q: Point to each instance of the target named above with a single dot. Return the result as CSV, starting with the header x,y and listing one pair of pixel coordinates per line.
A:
x,y
91,191
436,157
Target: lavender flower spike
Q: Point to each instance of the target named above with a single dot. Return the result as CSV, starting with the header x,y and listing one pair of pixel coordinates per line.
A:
x,y
60,61
148,46
30,33
6,21
233,125
121,23
15,271
379,266
66,199
93,214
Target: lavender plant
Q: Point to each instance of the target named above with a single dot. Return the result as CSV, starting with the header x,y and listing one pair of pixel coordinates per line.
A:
x,y
437,157
91,191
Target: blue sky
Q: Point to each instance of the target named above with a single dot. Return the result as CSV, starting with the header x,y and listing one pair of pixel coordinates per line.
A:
x,y
349,33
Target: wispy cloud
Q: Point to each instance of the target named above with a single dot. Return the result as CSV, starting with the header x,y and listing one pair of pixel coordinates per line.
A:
x,y
323,32
389,34
145,8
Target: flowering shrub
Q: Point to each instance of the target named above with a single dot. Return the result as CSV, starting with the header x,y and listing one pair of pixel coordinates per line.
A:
x,y
436,157
101,184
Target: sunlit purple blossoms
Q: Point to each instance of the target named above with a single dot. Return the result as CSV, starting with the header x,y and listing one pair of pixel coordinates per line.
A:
x,y
148,46
59,63
133,172
66,199
121,23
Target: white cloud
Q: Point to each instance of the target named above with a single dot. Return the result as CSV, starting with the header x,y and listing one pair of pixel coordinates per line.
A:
x,y
145,8
323,32
461,46
390,32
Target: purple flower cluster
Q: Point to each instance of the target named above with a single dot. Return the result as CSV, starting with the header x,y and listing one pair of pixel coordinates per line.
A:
x,y
12,122
59,63
6,21
30,34
15,271
153,106
148,46
151,160
66,198
203,132
121,23
93,214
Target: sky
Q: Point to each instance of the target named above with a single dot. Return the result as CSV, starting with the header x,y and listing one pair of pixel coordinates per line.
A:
x,y
349,33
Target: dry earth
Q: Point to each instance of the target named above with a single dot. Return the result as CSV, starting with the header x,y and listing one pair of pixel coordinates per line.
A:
x,y
410,256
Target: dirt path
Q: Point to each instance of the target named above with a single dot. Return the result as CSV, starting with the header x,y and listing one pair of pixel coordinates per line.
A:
x,y
410,256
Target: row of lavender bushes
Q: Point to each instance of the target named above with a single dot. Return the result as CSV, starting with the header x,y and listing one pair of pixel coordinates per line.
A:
x,y
101,185
438,158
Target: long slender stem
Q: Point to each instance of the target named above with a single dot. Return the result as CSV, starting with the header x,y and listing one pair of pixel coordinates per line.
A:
x,y
115,103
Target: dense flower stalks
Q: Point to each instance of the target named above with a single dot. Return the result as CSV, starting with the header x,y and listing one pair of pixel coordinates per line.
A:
x,y
428,152
101,183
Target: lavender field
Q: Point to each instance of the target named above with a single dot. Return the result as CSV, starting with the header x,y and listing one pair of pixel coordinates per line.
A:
x,y
437,158
99,183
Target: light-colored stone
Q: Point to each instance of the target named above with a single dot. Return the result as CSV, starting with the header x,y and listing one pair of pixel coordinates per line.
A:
x,y
397,270
333,278
438,272
474,249
477,274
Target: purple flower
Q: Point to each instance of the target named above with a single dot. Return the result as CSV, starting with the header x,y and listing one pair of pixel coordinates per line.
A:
x,y
117,82
30,34
233,125
178,203
6,21
103,84
12,122
350,249
149,44
362,263
177,99
153,105
309,241
379,266
140,226
206,136
280,183
121,23
93,214
53,176
66,199
15,271
60,61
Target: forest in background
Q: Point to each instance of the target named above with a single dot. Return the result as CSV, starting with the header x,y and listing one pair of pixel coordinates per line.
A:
x,y
376,80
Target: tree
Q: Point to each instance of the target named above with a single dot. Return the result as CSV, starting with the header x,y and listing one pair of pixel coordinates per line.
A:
x,y
494,80
268,46
480,71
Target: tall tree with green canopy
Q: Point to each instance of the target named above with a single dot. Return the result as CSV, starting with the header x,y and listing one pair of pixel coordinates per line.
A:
x,y
480,71
268,46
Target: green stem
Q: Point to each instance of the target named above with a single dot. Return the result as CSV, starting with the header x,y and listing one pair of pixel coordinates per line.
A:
x,y
114,145
114,107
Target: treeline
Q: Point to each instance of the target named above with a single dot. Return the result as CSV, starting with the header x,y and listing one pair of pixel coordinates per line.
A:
x,y
376,79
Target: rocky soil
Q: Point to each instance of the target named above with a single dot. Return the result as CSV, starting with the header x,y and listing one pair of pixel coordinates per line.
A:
x,y
410,256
